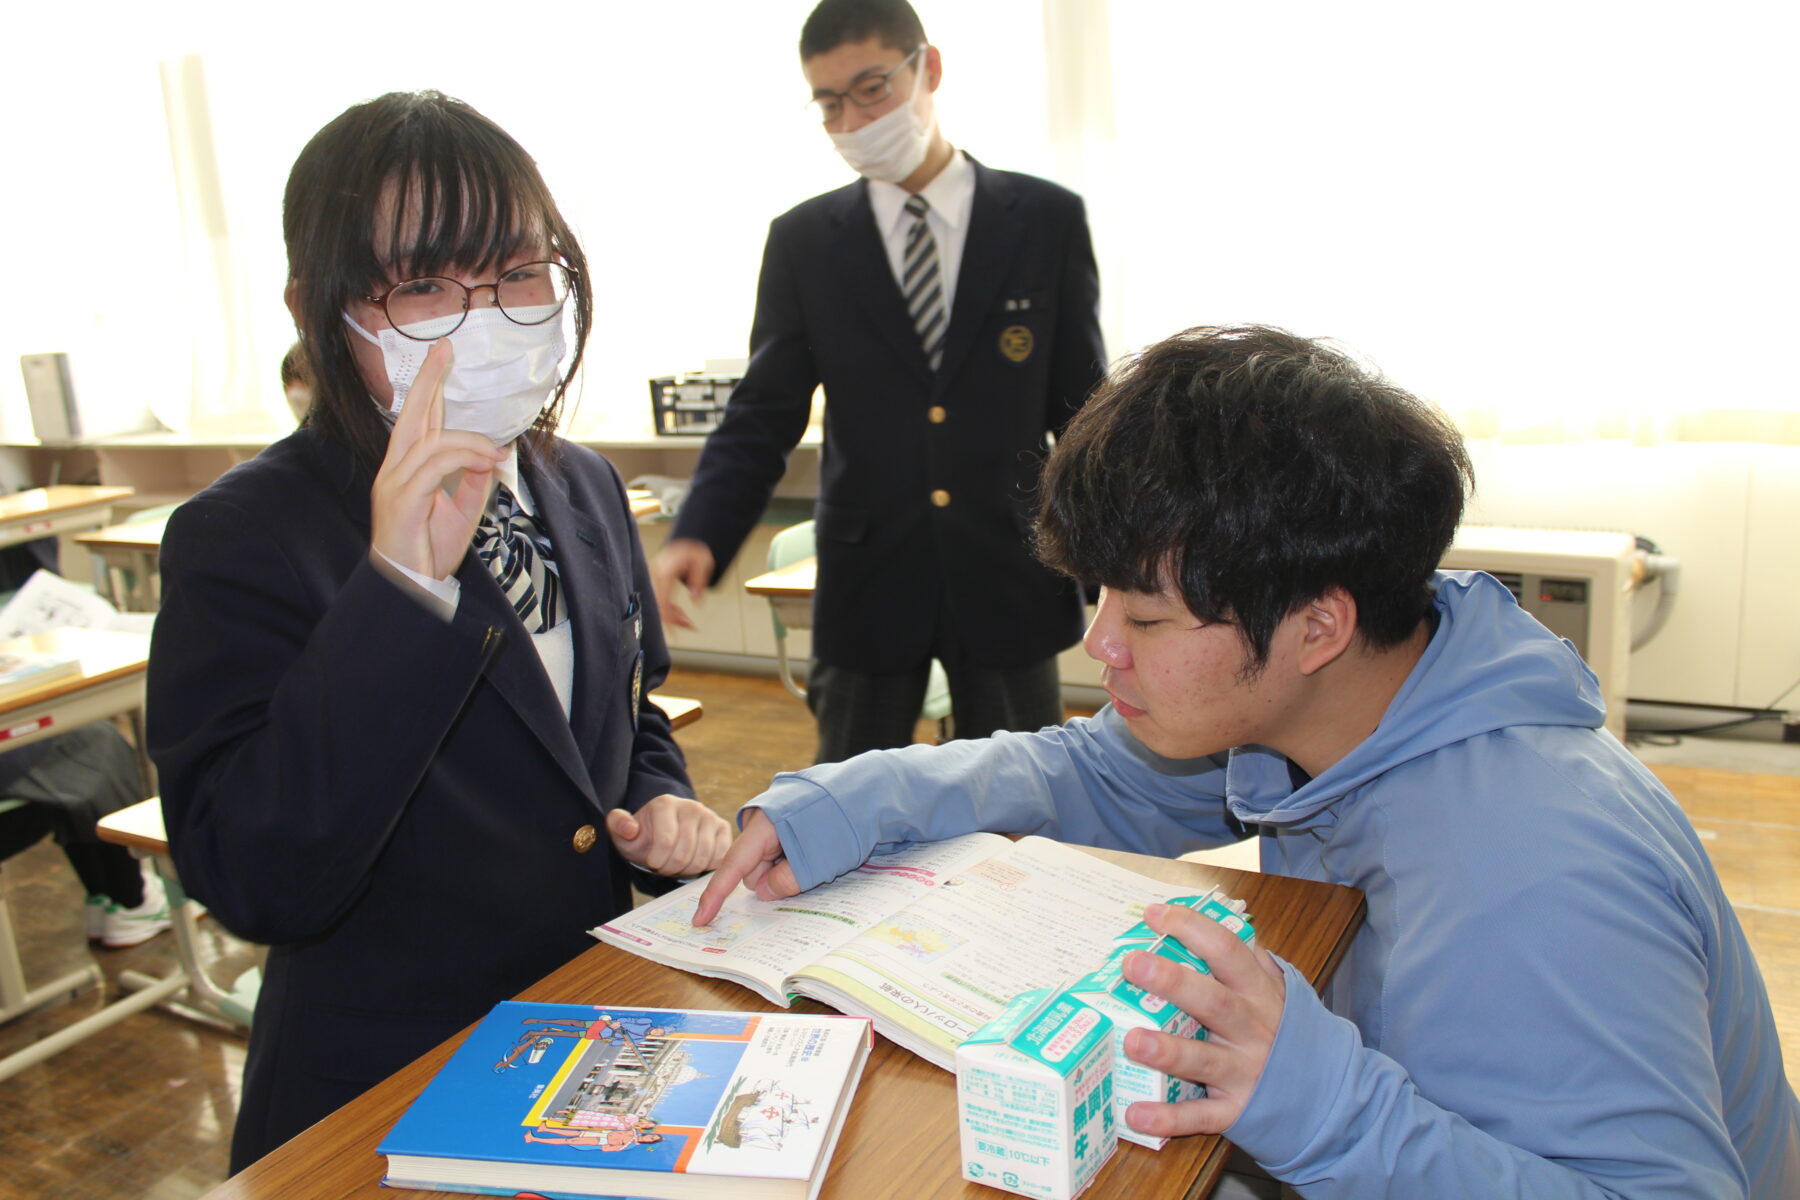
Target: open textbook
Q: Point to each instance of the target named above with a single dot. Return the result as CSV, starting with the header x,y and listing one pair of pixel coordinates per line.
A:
x,y
48,601
929,941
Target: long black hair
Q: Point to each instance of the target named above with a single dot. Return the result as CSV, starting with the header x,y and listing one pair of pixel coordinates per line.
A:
x,y
407,185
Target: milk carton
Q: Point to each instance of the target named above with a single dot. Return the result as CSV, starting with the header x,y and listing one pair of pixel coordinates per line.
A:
x,y
1034,1097
1215,904
1131,1007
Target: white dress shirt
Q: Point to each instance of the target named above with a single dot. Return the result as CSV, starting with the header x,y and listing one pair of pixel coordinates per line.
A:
x,y
555,646
952,198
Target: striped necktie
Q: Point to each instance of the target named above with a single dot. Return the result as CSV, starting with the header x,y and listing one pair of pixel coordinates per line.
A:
x,y
516,551
923,284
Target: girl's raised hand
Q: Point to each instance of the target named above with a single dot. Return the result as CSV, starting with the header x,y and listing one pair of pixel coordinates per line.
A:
x,y
416,522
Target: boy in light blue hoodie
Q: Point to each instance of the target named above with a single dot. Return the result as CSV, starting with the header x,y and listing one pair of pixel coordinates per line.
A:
x,y
1551,995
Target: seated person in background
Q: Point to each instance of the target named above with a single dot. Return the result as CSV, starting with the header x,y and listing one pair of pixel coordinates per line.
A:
x,y
399,688
71,781
1550,996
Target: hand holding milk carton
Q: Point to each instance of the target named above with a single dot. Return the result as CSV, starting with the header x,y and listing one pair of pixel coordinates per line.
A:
x,y
1041,1090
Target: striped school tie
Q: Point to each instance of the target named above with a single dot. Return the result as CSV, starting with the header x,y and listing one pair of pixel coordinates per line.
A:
x,y
513,546
923,284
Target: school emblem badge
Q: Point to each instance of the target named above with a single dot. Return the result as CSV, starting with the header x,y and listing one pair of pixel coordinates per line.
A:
x,y
1016,343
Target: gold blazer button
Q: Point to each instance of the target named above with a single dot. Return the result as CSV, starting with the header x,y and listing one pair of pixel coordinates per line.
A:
x,y
941,498
936,414
584,839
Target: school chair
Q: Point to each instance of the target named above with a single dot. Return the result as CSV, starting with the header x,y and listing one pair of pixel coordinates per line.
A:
x,y
790,546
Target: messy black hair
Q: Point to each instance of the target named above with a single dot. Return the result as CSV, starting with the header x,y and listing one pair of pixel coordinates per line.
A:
x,y
1252,470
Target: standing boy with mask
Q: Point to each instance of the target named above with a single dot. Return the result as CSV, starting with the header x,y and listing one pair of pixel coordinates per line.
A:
x,y
951,312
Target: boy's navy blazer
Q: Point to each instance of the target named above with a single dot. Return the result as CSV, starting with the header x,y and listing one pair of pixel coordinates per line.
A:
x,y
1022,352
395,802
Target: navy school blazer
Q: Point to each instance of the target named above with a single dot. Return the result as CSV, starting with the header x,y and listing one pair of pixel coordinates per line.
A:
x,y
395,803
928,480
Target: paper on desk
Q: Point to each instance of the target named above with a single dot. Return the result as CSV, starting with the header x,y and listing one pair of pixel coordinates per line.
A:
x,y
48,601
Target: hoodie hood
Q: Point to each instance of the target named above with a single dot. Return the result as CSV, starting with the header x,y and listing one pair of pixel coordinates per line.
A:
x,y
1490,665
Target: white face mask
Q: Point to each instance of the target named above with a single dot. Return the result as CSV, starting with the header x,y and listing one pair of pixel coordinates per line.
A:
x,y
504,371
891,147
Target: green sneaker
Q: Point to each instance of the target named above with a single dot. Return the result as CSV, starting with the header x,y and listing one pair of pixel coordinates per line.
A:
x,y
129,926
93,916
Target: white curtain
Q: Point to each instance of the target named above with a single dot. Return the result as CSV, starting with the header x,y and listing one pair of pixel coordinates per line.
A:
x,y
1559,220
670,134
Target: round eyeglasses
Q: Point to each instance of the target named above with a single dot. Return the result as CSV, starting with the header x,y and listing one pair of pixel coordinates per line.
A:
x,y
865,92
433,307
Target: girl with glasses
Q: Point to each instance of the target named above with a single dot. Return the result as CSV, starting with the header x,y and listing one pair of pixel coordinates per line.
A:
x,y
398,692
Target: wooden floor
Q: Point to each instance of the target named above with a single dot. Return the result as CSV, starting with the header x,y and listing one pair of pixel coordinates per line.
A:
x,y
144,1110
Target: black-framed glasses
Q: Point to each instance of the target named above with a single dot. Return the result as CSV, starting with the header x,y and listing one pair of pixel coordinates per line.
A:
x,y
433,307
866,92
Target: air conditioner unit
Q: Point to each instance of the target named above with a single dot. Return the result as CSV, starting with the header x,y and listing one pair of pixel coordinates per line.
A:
x,y
1578,583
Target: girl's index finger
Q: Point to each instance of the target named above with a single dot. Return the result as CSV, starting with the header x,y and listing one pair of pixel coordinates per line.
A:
x,y
422,412
429,385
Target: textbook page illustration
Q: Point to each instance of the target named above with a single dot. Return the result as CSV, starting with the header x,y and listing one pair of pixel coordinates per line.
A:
x,y
932,952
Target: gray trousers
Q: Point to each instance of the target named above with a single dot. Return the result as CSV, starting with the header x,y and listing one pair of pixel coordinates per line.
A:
x,y
71,781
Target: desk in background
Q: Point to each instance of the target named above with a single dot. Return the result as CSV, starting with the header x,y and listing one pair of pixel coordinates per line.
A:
x,y
129,554
110,682
62,508
792,582
900,1142
644,506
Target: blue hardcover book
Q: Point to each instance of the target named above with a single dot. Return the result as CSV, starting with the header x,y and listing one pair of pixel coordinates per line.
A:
x,y
579,1101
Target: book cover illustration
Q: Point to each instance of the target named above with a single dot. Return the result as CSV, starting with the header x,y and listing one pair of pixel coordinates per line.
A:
x,y
717,1093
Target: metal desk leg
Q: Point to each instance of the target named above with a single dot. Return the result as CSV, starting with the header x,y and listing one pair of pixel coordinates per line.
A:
x,y
203,995
16,998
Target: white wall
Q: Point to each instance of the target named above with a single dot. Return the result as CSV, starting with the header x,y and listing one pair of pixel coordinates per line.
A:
x,y
1726,510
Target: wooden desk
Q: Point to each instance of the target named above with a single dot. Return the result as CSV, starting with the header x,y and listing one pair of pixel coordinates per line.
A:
x,y
681,711
792,582
47,511
109,683
900,1142
643,504
189,989
789,591
129,553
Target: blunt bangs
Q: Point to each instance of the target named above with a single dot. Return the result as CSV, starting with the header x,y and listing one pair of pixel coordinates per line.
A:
x,y
411,184
443,215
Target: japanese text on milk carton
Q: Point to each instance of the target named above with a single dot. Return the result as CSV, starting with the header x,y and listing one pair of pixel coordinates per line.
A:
x,y
1034,1097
